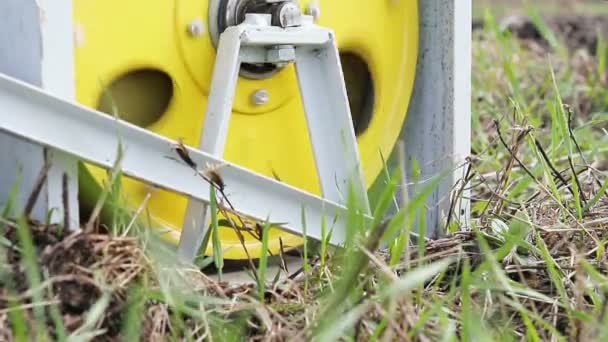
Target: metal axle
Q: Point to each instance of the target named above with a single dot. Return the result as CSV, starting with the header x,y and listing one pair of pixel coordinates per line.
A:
x,y
227,13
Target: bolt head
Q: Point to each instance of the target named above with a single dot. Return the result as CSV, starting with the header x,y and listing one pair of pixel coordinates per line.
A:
x,y
314,10
196,28
261,97
289,15
281,55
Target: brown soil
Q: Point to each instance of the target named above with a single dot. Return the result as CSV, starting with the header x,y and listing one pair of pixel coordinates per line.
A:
x,y
71,263
576,31
78,269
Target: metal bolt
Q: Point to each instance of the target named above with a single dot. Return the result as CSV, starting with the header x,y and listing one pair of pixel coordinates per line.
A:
x,y
314,10
281,54
289,15
196,28
261,97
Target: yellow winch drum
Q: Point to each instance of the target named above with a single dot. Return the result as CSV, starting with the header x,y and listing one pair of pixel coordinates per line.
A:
x,y
153,62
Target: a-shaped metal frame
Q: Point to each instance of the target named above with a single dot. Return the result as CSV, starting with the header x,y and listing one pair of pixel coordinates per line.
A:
x,y
314,51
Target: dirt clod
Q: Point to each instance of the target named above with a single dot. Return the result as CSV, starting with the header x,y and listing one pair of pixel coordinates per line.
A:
x,y
576,31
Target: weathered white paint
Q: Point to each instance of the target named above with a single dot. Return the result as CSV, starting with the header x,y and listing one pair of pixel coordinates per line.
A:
x,y
36,46
438,128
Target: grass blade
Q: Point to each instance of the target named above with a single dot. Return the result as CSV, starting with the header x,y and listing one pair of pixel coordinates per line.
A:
x,y
263,261
218,257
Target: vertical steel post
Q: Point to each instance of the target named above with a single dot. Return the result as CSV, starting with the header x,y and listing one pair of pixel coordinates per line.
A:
x,y
437,133
36,46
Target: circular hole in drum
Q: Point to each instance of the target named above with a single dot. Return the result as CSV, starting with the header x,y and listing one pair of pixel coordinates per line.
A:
x,y
140,97
360,90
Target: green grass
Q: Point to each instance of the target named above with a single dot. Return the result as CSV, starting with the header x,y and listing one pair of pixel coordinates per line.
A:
x,y
548,7
530,265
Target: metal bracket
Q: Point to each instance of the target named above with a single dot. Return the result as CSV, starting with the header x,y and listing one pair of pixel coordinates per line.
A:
x,y
321,82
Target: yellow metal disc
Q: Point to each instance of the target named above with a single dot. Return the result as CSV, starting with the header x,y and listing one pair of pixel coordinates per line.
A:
x,y
158,76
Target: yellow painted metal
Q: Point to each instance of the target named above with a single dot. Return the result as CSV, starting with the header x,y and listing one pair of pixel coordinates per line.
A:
x,y
118,39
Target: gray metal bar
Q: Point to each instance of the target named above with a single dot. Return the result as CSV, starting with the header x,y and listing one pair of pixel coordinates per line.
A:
x,y
329,123
438,128
36,47
215,133
325,102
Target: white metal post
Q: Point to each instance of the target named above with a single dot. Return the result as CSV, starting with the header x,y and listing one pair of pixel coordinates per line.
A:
x,y
36,46
438,128
213,138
